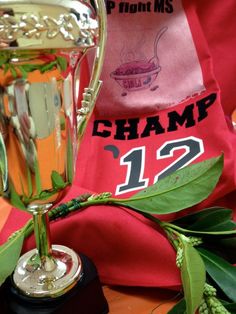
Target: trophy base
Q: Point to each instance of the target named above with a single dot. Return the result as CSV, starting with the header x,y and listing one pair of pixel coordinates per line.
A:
x,y
86,297
60,272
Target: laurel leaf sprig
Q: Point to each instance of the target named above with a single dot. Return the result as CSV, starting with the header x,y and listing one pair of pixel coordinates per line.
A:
x,y
22,70
188,235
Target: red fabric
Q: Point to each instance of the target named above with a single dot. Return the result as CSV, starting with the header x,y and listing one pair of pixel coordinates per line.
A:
x,y
218,24
106,146
127,249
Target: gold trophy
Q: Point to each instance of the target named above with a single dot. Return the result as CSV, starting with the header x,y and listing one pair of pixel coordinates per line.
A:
x,y
43,115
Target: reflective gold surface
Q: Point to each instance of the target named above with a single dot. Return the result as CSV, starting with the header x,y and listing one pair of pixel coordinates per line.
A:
x,y
38,111
47,24
36,282
43,47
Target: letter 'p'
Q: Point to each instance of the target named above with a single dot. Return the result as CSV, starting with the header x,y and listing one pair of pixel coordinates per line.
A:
x,y
110,6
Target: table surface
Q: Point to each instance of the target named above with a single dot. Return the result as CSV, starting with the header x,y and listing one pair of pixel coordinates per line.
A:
x,y
136,300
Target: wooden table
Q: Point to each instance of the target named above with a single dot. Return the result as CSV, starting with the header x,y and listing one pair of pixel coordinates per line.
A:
x,y
135,300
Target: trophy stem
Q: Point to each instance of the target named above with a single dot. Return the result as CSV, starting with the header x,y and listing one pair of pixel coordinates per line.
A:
x,y
49,270
43,238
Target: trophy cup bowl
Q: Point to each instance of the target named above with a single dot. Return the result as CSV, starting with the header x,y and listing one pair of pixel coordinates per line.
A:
x,y
42,48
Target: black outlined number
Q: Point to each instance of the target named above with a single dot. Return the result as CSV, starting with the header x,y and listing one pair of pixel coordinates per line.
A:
x,y
193,149
135,162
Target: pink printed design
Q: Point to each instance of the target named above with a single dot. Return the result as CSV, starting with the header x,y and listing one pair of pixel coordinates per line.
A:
x,y
137,75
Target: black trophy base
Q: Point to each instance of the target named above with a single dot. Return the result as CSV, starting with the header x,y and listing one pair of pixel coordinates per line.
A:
x,y
85,298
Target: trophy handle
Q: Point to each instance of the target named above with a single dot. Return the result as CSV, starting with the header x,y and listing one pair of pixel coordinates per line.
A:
x,y
91,92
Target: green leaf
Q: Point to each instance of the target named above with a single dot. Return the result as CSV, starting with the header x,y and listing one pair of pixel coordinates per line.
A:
x,y
44,195
29,182
3,60
30,67
183,188
57,180
6,68
222,272
178,308
48,67
23,72
209,219
13,71
15,198
70,160
9,255
62,62
193,277
223,246
37,177
229,242
231,307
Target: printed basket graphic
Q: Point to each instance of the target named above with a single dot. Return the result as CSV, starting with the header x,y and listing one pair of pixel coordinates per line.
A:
x,y
136,75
